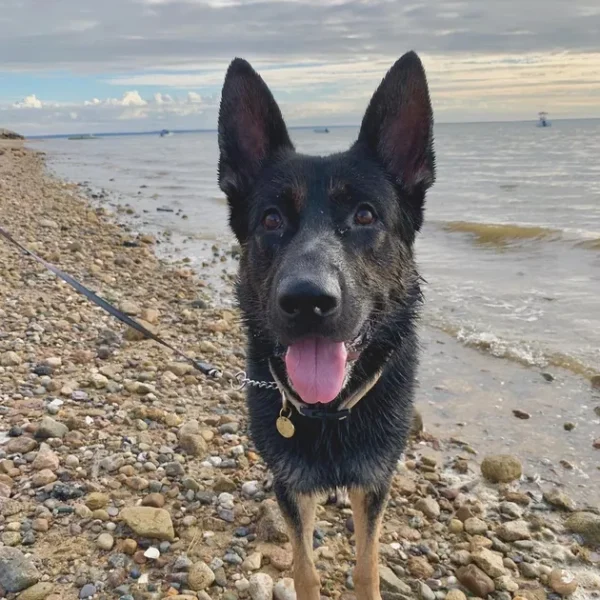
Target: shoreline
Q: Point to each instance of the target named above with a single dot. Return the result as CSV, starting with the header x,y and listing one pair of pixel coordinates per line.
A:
x,y
100,422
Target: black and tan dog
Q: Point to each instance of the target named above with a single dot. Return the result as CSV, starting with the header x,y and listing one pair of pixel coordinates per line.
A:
x,y
329,293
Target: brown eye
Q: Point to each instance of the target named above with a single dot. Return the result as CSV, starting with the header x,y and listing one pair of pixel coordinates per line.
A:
x,y
272,220
364,216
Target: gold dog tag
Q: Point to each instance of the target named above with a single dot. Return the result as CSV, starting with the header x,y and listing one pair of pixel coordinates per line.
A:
x,y
284,425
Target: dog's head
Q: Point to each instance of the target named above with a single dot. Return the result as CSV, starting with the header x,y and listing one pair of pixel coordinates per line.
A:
x,y
327,267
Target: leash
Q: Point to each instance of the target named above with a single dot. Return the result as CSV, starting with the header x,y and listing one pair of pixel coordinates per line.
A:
x,y
204,367
283,424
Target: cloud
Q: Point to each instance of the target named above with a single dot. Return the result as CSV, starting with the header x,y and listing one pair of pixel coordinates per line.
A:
x,y
499,59
130,99
120,35
131,111
29,102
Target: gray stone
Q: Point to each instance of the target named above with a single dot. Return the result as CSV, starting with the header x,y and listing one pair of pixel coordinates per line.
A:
x,y
49,428
17,572
87,591
391,582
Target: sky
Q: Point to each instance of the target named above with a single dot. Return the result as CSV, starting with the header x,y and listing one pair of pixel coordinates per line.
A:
x,y
82,66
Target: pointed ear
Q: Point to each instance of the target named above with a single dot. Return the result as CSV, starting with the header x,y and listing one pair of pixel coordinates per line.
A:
x,y
251,129
398,125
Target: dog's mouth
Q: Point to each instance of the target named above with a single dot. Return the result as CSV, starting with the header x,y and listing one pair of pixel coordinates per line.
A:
x,y
317,368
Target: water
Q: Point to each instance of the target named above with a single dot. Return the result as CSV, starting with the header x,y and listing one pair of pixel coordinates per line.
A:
x,y
527,292
510,251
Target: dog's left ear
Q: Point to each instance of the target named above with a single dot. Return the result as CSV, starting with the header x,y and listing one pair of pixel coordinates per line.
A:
x,y
398,126
251,130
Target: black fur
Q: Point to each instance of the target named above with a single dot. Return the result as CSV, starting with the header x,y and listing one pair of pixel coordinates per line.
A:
x,y
389,168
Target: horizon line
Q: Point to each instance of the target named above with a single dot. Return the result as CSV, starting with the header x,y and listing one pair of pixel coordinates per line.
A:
x,y
293,127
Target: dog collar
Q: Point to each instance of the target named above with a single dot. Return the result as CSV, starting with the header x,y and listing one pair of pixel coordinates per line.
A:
x,y
284,424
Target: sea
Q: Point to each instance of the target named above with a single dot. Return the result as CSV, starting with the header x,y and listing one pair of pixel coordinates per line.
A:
x,y
510,252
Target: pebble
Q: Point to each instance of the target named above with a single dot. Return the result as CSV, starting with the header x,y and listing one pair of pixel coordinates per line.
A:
x,y
105,541
429,507
149,522
419,567
152,553
46,458
87,591
511,509
475,526
284,589
501,468
489,562
261,587
390,582
271,526
49,428
97,500
252,562
17,572
559,499
475,580
251,488
200,577
39,591
587,524
455,595
425,592
513,531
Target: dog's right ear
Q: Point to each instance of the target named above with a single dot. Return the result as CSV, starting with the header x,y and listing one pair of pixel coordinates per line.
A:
x,y
251,131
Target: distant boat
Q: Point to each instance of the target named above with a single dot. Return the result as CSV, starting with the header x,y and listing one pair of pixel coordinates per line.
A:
x,y
543,120
83,136
165,133
321,130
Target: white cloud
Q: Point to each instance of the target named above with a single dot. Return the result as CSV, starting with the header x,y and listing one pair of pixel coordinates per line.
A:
x,y
161,99
194,98
131,111
128,99
29,102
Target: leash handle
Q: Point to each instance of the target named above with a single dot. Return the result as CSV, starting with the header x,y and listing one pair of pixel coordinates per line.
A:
x,y
203,367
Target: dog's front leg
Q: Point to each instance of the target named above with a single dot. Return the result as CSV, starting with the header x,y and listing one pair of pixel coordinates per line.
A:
x,y
367,510
299,513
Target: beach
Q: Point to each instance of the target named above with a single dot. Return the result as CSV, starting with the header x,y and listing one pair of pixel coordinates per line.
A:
x,y
126,474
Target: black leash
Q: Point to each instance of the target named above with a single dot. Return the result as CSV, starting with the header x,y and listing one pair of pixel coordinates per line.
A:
x,y
203,367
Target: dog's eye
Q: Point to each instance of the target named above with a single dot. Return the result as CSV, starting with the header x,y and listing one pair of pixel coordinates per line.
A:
x,y
272,220
364,215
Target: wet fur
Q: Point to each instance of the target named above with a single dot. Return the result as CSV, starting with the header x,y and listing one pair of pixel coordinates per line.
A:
x,y
390,166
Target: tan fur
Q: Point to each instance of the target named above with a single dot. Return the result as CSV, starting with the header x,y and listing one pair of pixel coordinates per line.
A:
x,y
306,578
366,572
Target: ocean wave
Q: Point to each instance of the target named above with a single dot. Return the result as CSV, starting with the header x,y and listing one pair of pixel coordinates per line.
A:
x,y
521,352
503,235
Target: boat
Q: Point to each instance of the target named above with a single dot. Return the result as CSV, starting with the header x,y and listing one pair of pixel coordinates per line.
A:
x,y
165,133
543,120
321,130
83,136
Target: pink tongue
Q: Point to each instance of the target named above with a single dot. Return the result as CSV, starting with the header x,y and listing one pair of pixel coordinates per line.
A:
x,y
316,368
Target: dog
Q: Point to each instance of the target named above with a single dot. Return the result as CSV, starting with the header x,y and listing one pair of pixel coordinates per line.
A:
x,y
329,295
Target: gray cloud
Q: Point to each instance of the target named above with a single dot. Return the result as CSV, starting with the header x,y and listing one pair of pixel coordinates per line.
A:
x,y
122,35
492,59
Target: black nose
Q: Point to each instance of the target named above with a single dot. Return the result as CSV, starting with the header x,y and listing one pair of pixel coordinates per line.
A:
x,y
309,297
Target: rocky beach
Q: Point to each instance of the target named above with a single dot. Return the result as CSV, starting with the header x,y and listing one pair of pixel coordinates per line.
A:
x,y
125,474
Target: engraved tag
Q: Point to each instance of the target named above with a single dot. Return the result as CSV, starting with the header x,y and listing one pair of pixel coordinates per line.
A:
x,y
285,427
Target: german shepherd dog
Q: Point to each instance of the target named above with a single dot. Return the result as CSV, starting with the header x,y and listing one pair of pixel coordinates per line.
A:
x,y
329,294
